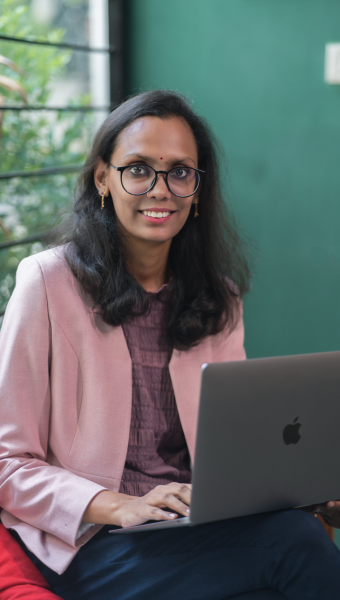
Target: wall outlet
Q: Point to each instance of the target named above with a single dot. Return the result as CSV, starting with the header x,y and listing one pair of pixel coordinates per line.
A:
x,y
332,64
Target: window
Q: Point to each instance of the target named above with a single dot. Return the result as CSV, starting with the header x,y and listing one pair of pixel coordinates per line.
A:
x,y
61,70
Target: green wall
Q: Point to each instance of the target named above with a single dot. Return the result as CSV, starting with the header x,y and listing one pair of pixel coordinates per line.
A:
x,y
254,68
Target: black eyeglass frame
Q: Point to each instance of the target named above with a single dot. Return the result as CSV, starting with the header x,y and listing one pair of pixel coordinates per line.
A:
x,y
166,173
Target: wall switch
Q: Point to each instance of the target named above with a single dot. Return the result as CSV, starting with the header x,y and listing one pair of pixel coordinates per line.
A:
x,y
332,63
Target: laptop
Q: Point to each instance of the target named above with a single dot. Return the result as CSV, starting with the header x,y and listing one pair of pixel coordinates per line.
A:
x,y
268,438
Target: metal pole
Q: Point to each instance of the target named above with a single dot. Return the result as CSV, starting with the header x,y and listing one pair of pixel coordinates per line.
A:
x,y
117,38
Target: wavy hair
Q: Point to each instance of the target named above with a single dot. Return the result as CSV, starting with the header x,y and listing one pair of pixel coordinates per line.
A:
x,y
207,259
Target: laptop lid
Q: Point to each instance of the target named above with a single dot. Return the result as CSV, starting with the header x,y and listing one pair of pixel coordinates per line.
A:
x,y
268,436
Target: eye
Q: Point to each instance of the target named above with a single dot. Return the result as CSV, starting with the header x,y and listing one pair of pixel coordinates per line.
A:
x,y
138,170
180,173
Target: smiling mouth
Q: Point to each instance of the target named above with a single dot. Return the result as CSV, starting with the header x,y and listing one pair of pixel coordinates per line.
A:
x,y
158,214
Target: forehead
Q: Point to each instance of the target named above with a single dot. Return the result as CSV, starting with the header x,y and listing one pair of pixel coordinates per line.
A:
x,y
154,136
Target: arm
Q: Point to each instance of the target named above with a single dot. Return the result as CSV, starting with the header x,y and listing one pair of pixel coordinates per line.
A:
x,y
127,511
47,497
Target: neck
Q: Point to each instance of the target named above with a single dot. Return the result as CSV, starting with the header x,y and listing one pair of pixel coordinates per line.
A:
x,y
148,263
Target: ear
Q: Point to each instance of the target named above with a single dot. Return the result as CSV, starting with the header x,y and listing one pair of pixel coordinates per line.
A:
x,y
100,176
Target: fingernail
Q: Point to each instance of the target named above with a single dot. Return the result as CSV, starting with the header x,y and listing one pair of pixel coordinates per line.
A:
x,y
188,511
172,515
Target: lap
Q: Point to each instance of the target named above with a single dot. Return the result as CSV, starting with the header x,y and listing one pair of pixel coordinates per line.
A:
x,y
287,550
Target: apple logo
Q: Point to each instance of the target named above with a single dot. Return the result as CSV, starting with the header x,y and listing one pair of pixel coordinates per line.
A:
x,y
291,433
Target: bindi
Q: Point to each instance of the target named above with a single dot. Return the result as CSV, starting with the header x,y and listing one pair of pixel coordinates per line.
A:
x,y
161,157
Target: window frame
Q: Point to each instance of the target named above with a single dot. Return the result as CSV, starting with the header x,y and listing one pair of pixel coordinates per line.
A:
x,y
117,20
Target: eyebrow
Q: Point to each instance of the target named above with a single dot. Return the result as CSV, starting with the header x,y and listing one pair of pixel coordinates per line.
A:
x,y
149,158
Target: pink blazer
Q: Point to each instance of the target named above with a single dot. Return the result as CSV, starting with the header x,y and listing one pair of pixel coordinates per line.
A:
x,y
65,405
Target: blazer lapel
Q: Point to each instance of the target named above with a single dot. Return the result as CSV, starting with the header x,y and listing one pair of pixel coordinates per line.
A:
x,y
185,373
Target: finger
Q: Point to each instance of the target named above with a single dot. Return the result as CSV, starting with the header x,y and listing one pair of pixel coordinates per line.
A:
x,y
183,492
171,502
333,504
150,513
154,513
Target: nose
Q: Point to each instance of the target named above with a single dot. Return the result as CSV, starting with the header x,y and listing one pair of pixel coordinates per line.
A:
x,y
160,190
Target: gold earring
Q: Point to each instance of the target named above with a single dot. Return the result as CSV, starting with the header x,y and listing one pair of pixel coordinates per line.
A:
x,y
103,195
196,209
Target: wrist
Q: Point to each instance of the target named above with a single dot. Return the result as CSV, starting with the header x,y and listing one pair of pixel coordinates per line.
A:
x,y
103,508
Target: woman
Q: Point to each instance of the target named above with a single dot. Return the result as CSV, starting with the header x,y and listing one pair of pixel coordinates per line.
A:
x,y
101,348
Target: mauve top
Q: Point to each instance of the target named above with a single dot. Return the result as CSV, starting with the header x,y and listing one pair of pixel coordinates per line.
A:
x,y
157,451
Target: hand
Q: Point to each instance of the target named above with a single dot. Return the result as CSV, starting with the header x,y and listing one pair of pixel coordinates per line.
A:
x,y
174,497
329,511
333,504
331,516
126,511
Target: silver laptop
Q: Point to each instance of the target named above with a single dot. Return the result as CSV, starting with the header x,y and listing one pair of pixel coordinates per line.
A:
x,y
268,438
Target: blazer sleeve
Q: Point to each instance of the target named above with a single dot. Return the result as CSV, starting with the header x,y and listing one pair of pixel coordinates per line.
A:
x,y
47,497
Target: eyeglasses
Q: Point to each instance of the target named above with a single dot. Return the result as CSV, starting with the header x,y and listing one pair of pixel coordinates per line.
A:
x,y
139,179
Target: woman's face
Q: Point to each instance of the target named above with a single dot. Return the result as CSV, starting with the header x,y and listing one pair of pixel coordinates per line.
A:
x,y
161,144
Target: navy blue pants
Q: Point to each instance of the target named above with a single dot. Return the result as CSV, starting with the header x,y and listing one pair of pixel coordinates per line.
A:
x,y
288,551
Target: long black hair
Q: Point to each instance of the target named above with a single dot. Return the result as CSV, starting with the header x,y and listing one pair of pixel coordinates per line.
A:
x,y
207,262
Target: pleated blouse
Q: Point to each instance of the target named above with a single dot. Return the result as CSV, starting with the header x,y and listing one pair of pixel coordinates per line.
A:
x,y
157,450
